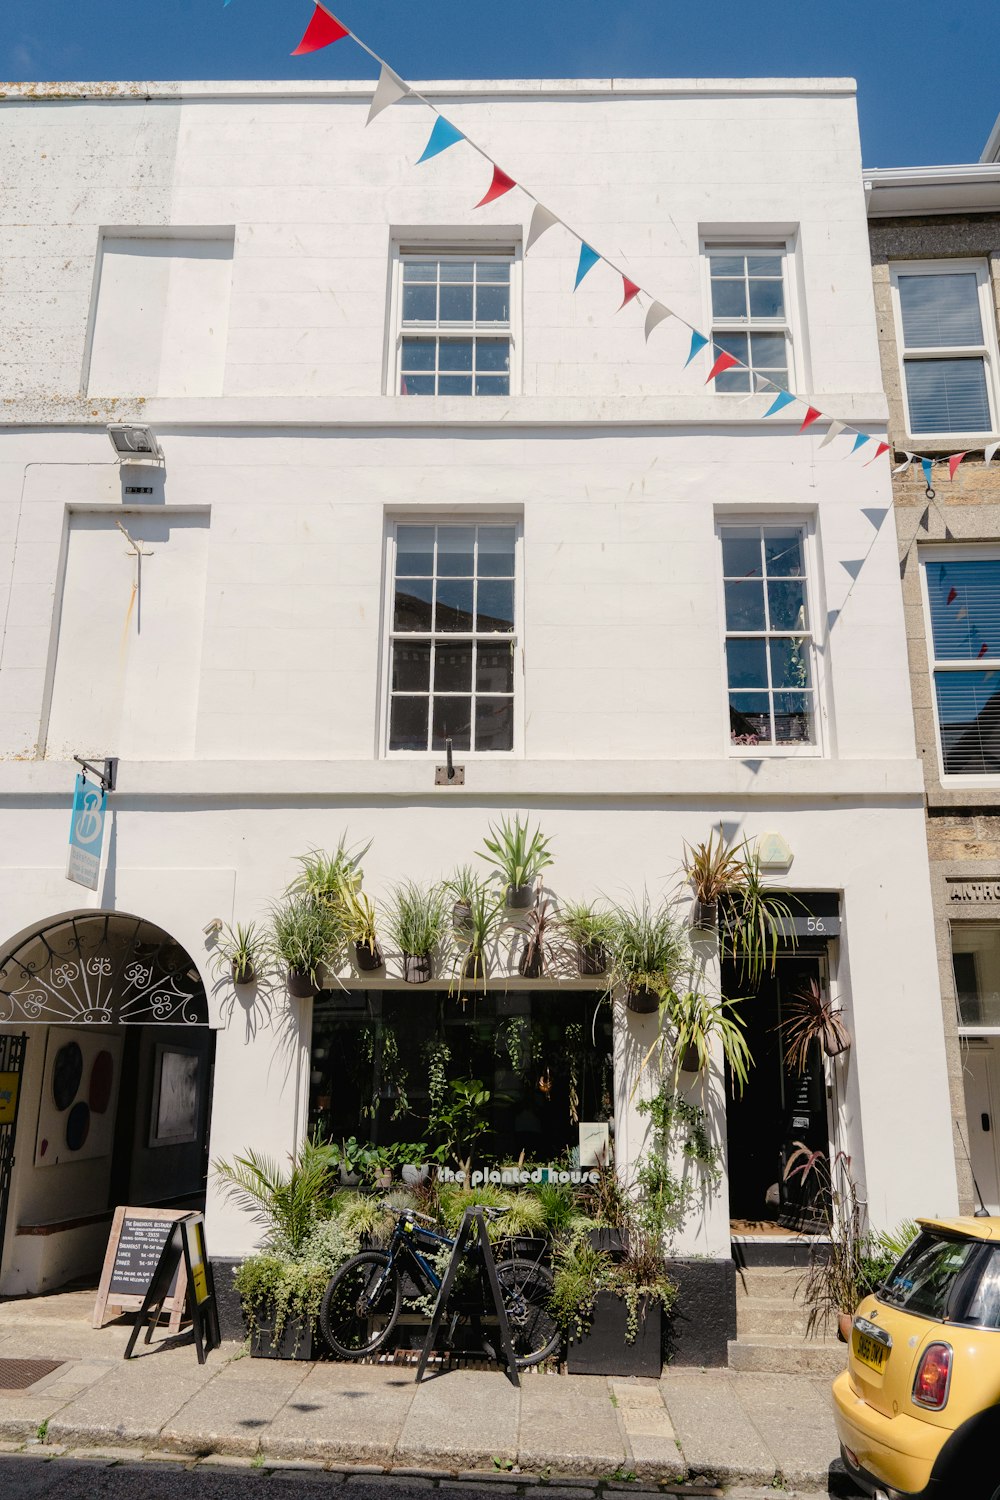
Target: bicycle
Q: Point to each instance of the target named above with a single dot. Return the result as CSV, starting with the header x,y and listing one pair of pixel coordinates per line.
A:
x,y
363,1301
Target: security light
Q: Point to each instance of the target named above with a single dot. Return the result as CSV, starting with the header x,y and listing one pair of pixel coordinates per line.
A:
x,y
134,444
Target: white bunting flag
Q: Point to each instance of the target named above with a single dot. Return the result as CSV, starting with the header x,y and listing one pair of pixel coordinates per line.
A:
x,y
541,220
908,459
987,456
657,314
834,430
388,90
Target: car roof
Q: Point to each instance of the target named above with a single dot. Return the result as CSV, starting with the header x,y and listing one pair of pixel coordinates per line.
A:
x,y
967,1226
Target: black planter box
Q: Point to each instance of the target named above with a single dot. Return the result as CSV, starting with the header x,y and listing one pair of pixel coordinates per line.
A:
x,y
603,1349
296,1340
608,1240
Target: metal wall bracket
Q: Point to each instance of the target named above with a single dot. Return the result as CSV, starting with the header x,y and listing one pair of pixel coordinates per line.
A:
x,y
108,778
449,775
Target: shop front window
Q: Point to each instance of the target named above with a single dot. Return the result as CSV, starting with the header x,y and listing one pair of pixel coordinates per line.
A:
x,y
385,1065
975,956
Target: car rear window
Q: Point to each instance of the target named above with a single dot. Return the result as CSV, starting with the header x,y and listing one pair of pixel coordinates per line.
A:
x,y
923,1281
984,1306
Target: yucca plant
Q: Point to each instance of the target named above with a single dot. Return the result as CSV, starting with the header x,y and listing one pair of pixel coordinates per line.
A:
x,y
649,948
518,856
304,935
241,949
591,929
473,943
695,1020
416,920
810,1017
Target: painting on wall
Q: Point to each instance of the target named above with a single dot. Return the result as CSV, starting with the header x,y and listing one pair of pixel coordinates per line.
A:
x,y
76,1117
175,1096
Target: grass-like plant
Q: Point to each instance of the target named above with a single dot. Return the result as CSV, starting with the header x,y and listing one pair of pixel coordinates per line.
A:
x,y
517,854
356,912
241,949
810,1017
474,940
304,935
756,917
649,948
586,924
417,918
322,875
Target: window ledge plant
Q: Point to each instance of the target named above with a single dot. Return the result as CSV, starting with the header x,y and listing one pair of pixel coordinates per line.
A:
x,y
518,857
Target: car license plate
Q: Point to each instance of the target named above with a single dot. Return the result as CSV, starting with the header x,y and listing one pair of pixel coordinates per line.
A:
x,y
869,1351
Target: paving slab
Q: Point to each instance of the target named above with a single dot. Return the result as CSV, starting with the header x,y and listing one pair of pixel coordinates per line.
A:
x,y
226,1417
341,1411
570,1424
23,1413
654,1451
716,1435
463,1415
130,1405
795,1420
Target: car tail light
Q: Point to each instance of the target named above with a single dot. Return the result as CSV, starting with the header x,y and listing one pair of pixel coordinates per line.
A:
x,y
930,1388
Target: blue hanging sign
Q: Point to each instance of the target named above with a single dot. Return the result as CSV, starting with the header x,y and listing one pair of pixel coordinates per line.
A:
x,y
86,833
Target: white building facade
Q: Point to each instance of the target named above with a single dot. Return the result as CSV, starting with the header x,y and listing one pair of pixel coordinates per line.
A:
x,y
373,404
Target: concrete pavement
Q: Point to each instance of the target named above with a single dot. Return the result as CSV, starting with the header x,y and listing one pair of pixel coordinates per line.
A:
x,y
573,1433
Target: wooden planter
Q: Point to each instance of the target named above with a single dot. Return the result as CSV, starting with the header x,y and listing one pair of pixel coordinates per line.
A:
x,y
296,1341
603,1350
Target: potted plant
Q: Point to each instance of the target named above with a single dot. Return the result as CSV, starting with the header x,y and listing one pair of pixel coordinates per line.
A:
x,y
612,1311
240,950
303,936
591,931
648,947
809,1018
415,921
714,869
518,856
462,887
695,1021
755,918
322,876
484,922
531,964
357,912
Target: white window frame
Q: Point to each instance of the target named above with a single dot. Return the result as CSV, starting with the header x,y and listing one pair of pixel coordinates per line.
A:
x,y
751,244
928,556
443,516
988,350
458,249
806,523
967,1028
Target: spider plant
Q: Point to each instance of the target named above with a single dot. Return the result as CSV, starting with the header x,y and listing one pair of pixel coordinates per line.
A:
x,y
485,915
323,876
714,869
240,950
303,935
416,921
755,919
461,886
649,947
695,1021
518,856
357,913
810,1017
591,930
531,964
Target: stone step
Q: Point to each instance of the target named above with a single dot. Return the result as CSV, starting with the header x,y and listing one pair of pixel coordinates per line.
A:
x,y
770,1281
784,1354
760,1315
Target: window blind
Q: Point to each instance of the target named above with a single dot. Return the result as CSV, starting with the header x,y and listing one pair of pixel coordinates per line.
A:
x,y
947,395
940,311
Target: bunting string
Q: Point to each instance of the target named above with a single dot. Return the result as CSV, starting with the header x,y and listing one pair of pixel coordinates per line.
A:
x,y
325,28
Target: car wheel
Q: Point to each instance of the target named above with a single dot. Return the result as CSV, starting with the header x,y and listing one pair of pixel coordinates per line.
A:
x,y
972,1468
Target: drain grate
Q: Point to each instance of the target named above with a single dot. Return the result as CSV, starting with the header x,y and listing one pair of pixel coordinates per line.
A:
x,y
19,1374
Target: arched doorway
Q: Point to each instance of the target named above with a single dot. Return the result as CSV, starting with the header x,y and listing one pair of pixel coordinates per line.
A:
x,y
114,1093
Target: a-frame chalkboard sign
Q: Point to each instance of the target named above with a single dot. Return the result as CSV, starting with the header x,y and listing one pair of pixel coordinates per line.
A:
x,y
472,1219
183,1253
137,1237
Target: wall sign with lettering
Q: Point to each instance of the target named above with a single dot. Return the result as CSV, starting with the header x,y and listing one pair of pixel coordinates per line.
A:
x,y
986,892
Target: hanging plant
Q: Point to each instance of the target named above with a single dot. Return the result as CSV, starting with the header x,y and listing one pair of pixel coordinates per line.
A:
x,y
518,857
591,931
648,948
241,951
531,964
416,922
714,869
809,1018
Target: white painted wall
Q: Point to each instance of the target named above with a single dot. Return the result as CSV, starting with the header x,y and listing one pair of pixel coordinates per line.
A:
x,y
251,732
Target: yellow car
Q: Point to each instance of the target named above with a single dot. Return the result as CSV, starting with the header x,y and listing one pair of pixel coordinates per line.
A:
x,y
917,1407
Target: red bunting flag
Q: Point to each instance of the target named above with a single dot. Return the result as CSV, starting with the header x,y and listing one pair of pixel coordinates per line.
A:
x,y
882,448
321,31
983,650
811,416
724,362
953,463
952,596
631,290
501,184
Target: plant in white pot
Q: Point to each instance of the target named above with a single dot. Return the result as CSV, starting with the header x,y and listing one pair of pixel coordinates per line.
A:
x,y
518,857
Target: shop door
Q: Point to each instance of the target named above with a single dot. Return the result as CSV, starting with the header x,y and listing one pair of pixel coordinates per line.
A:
x,y
979,1068
779,1109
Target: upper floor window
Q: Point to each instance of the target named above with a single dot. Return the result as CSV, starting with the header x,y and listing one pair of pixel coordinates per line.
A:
x,y
769,645
455,333
947,345
750,314
452,638
963,600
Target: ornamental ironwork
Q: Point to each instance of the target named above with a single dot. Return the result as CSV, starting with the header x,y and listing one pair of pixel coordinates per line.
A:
x,y
101,967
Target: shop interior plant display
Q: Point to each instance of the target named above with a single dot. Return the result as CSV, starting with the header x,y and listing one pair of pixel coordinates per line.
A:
x,y
416,921
240,952
518,856
591,930
810,1017
855,1258
304,937
649,949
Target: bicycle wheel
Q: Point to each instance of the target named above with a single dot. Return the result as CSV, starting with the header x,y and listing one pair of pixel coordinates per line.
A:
x,y
526,1289
361,1304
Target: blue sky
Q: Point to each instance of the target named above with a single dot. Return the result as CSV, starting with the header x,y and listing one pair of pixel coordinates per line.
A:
x,y
926,73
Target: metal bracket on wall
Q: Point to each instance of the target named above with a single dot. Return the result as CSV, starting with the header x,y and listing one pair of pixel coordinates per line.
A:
x,y
449,775
108,777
